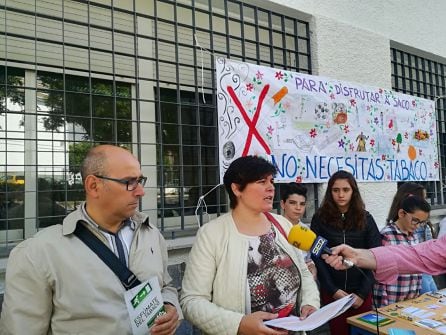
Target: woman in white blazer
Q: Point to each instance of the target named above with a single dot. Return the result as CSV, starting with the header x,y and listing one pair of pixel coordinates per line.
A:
x,y
241,269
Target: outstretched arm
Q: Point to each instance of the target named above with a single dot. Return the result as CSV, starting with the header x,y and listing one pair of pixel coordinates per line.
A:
x,y
360,257
427,257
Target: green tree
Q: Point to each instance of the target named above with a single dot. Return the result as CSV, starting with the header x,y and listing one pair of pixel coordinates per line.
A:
x,y
399,140
76,154
11,88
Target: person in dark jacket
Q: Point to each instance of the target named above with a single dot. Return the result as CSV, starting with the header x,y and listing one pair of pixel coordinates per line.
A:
x,y
342,219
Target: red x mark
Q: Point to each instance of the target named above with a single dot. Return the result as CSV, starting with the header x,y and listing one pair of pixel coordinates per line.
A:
x,y
252,131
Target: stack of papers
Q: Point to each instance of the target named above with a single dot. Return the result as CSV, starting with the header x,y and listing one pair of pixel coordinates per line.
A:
x,y
316,319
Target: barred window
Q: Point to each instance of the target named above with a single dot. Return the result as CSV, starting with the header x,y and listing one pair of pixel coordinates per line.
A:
x,y
74,74
425,77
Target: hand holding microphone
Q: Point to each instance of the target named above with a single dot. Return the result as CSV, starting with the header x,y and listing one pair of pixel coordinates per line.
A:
x,y
305,239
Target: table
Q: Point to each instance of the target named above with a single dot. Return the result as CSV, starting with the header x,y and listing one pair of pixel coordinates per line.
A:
x,y
358,327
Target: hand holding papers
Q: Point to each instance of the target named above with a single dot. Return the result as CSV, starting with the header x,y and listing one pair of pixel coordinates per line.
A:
x,y
316,319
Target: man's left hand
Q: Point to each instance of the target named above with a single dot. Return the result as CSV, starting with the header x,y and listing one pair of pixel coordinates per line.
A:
x,y
166,324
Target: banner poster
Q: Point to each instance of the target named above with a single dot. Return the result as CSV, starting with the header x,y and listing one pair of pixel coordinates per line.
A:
x,y
311,126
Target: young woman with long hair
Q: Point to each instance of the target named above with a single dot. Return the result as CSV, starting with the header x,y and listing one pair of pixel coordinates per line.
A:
x,y
342,219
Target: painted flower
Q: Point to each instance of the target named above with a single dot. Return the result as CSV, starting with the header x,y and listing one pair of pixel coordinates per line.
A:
x,y
298,179
406,135
341,143
346,129
375,120
259,75
351,147
332,96
353,102
414,103
436,165
383,157
420,152
313,133
270,129
380,91
279,75
249,87
372,142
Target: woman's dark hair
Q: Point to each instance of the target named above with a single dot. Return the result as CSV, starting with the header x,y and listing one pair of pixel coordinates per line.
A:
x,y
292,188
403,191
412,203
245,170
329,211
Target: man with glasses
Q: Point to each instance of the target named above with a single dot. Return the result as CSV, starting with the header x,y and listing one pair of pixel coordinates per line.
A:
x,y
56,284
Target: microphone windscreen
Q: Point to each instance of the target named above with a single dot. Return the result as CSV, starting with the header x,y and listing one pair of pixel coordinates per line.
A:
x,y
301,237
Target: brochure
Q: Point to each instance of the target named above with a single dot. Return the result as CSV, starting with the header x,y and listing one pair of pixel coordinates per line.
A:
x,y
144,304
399,331
373,318
316,319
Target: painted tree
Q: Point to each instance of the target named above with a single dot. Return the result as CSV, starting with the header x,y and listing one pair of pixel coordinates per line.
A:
x,y
399,140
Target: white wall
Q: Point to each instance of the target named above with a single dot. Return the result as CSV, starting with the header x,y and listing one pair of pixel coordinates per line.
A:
x,y
351,41
416,23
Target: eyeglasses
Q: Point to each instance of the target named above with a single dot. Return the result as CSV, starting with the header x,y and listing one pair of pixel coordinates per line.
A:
x,y
131,183
416,221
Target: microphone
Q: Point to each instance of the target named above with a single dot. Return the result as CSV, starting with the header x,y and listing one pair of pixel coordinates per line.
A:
x,y
305,239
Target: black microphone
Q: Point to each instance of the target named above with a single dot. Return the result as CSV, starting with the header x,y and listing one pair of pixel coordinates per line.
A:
x,y
305,239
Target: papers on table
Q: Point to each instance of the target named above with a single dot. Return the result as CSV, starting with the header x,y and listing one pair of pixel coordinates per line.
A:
x,y
316,319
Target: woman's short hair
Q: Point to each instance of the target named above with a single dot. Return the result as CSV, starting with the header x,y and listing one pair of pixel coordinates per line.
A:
x,y
245,170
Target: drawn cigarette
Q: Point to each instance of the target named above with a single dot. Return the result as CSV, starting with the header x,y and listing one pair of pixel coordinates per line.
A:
x,y
280,94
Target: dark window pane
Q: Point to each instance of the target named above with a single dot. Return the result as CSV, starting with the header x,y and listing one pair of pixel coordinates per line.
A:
x,y
50,210
190,135
77,104
208,116
101,87
190,155
191,175
124,109
210,175
77,84
103,130
187,97
170,134
102,106
188,114
123,90
124,131
168,95
209,155
169,113
16,77
208,136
